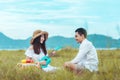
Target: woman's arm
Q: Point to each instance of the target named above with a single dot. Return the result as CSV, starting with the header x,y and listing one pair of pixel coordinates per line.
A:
x,y
53,53
42,63
28,58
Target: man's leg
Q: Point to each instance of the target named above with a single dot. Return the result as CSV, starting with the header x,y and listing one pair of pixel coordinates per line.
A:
x,y
69,66
77,69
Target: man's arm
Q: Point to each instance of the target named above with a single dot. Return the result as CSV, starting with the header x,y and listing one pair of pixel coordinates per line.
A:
x,y
83,50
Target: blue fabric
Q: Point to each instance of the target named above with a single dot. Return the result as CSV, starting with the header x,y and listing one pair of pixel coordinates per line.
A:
x,y
57,48
47,59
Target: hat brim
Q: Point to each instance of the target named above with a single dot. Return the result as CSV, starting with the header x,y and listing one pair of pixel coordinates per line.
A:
x,y
42,33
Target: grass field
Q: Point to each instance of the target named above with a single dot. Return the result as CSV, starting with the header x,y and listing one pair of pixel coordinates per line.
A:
x,y
109,66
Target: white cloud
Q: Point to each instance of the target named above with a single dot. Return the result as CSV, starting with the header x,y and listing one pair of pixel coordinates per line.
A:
x,y
23,33
4,1
20,17
70,1
6,17
10,1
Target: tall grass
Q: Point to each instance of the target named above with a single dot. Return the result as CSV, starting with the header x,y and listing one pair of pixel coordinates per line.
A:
x,y
109,66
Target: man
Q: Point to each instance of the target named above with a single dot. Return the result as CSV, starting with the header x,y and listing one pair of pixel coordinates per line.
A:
x,y
86,59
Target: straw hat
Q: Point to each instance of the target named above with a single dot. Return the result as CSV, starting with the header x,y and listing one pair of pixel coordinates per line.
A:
x,y
37,33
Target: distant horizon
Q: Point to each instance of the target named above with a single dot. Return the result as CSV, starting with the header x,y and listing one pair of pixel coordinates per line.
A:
x,y
58,35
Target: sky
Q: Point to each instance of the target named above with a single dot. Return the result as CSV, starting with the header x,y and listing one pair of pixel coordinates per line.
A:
x,y
19,18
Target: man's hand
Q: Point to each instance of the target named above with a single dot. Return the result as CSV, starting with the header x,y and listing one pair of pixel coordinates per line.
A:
x,y
66,64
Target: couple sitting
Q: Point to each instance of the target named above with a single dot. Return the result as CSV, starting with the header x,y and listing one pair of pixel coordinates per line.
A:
x,y
86,59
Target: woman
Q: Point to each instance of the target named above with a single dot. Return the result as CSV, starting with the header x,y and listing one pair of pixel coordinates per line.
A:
x,y
37,50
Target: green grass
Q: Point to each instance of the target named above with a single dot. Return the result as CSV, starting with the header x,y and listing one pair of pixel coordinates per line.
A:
x,y
109,66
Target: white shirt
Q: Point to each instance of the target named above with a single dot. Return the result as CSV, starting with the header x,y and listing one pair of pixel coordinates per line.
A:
x,y
30,53
87,56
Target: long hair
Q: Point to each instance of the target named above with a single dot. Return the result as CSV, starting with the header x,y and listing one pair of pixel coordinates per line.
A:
x,y
37,45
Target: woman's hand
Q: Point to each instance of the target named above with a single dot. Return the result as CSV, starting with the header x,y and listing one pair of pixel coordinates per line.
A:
x,y
28,58
40,63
